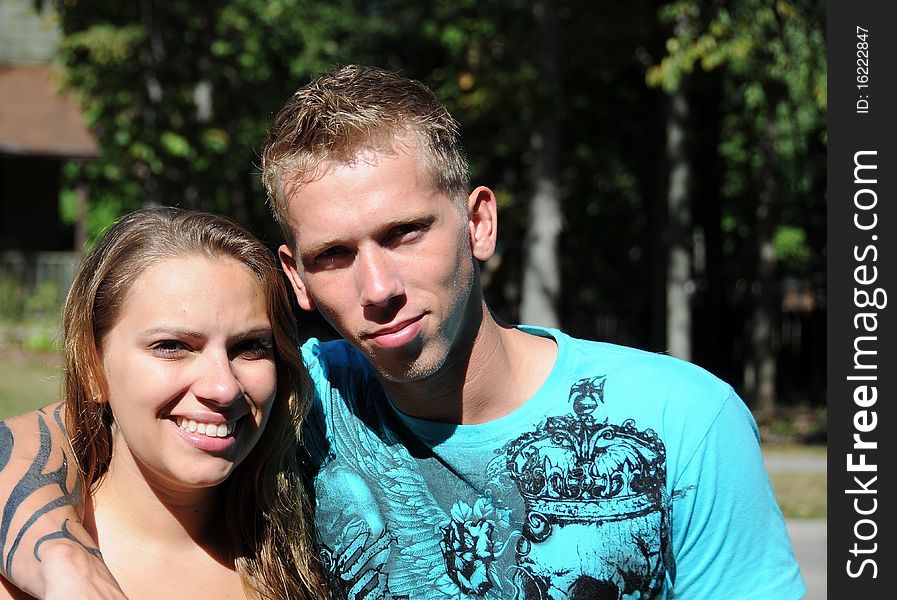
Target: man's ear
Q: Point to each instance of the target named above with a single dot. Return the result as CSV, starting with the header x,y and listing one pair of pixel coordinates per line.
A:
x,y
482,210
292,271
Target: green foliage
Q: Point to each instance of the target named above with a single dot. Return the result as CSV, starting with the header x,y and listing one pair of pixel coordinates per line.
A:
x,y
43,302
17,303
770,58
180,94
12,299
40,340
758,39
175,145
27,384
791,244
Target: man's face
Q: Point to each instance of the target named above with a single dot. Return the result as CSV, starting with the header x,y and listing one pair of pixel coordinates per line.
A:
x,y
388,259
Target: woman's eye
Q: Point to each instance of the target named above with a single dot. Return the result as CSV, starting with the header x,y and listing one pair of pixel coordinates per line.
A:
x,y
169,348
253,349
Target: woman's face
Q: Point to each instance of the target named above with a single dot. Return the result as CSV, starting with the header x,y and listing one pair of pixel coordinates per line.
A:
x,y
191,373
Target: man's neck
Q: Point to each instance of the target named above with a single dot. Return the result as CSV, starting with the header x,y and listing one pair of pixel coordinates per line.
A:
x,y
493,373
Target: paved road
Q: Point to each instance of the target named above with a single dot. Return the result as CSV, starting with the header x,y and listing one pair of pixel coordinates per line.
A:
x,y
800,463
808,536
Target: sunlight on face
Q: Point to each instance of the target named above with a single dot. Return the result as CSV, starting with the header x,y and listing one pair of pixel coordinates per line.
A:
x,y
191,373
386,258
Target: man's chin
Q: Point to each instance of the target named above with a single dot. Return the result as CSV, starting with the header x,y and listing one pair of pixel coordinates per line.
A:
x,y
412,371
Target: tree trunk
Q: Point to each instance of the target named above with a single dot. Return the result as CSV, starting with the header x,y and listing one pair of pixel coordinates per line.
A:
x,y
541,266
151,18
760,372
82,199
679,231
712,339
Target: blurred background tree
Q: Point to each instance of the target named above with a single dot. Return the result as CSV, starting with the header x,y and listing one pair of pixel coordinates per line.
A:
x,y
179,94
766,60
660,167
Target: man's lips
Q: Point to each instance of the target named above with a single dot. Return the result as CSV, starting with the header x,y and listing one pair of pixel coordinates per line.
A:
x,y
395,335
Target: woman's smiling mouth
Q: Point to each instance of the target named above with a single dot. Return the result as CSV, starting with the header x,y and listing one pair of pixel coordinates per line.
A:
x,y
204,428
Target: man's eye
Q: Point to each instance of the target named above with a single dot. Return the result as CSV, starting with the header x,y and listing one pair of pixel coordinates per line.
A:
x,y
406,233
331,256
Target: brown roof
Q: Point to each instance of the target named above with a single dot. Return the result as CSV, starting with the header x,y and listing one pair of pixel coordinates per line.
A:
x,y
36,121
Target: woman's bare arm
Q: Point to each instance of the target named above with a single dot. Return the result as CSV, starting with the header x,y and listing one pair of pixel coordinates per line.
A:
x,y
44,548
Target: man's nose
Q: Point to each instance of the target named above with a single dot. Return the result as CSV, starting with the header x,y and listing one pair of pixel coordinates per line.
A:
x,y
377,278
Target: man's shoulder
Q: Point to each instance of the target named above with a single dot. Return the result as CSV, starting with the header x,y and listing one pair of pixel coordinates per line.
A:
x,y
337,367
333,354
348,397
644,368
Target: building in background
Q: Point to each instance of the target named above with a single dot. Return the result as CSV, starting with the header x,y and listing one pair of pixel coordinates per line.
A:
x,y
40,129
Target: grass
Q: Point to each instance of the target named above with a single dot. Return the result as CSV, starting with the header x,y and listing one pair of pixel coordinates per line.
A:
x,y
801,495
31,379
28,380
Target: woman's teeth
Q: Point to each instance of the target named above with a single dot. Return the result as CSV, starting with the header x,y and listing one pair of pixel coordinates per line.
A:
x,y
210,429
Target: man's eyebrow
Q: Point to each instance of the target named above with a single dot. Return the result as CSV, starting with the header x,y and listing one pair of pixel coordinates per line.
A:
x,y
315,248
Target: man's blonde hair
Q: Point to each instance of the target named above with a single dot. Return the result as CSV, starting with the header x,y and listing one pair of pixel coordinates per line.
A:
x,y
356,109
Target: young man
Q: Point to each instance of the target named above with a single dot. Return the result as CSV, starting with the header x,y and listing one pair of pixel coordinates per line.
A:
x,y
453,455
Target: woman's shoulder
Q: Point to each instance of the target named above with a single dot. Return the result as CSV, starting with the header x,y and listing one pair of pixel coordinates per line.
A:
x,y
9,592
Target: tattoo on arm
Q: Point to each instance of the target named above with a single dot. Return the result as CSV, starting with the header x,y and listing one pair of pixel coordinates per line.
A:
x,y
57,416
5,444
36,479
64,533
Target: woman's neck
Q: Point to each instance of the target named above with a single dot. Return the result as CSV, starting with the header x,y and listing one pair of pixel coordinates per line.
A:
x,y
128,500
160,542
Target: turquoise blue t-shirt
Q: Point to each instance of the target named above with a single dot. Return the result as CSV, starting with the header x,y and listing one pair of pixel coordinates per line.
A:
x,y
628,475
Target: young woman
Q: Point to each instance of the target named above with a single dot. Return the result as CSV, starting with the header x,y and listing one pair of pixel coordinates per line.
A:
x,y
182,403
